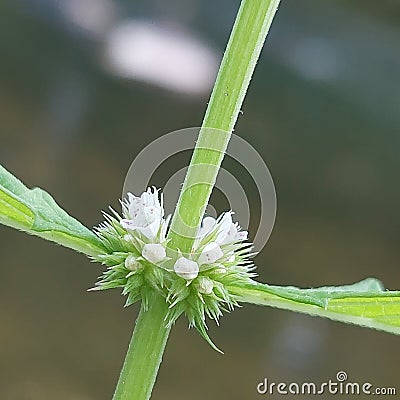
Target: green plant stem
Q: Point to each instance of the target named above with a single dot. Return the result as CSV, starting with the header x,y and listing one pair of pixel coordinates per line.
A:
x,y
247,38
246,41
145,352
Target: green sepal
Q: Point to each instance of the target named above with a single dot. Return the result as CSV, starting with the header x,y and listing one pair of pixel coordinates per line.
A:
x,y
202,329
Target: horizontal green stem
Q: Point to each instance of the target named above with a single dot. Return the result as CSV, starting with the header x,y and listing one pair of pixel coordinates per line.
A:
x,y
377,309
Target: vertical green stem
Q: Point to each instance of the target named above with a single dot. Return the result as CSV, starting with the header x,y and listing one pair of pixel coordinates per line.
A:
x,y
145,352
246,41
247,38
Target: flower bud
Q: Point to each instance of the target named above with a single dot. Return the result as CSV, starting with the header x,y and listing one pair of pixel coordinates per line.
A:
x,y
211,253
154,252
186,268
131,263
205,285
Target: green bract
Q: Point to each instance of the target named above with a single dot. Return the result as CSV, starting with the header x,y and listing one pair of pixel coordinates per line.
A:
x,y
195,284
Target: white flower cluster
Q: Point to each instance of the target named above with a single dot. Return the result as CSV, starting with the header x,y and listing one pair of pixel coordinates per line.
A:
x,y
144,220
196,284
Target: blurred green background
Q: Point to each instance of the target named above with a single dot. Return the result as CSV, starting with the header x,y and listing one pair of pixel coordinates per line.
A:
x,y
86,84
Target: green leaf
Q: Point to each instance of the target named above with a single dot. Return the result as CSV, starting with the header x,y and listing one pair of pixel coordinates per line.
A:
x,y
364,303
35,211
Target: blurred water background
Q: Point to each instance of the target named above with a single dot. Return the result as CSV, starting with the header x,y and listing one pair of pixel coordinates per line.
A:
x,y
86,84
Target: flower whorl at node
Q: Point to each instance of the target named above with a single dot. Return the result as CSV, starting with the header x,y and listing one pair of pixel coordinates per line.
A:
x,y
196,284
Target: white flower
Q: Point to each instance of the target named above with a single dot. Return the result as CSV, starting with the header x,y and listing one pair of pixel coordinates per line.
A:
x,y
228,231
144,213
211,253
154,252
131,263
186,268
207,225
205,285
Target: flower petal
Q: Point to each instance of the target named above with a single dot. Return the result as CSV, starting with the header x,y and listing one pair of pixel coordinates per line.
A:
x,y
242,235
211,253
224,227
207,225
128,224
